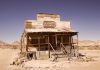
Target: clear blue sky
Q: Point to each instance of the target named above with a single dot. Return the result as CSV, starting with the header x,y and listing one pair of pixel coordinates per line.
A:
x,y
83,14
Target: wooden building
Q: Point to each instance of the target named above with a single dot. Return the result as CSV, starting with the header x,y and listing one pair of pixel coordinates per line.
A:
x,y
48,35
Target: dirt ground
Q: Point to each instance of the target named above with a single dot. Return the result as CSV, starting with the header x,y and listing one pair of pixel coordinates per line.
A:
x,y
8,55
6,58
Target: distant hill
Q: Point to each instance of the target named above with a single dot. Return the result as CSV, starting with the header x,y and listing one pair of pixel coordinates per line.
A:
x,y
4,45
88,44
15,45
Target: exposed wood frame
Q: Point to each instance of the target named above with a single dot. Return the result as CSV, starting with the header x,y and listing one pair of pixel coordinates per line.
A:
x,y
39,45
48,47
27,42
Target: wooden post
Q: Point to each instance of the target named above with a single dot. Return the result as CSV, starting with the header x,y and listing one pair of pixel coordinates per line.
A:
x,y
72,47
72,44
77,46
69,40
69,48
48,48
61,39
56,40
61,42
39,44
27,42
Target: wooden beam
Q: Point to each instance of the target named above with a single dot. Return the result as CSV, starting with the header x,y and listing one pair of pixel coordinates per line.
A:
x,y
72,42
56,40
39,44
77,49
27,42
61,39
61,42
48,48
70,47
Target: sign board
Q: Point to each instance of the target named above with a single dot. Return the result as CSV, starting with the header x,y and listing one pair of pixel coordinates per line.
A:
x,y
49,24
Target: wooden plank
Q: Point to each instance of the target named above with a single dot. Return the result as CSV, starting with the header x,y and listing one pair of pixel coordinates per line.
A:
x,y
69,48
48,47
39,45
56,40
27,42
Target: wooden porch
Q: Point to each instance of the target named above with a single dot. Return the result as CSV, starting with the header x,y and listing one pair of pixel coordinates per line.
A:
x,y
49,41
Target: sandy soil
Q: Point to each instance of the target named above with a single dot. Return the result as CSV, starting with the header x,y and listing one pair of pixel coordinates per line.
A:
x,y
8,55
6,58
67,65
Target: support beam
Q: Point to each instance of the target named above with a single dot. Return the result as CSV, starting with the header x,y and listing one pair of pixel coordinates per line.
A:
x,y
27,42
39,45
48,48
77,46
56,40
70,47
72,44
69,40
61,39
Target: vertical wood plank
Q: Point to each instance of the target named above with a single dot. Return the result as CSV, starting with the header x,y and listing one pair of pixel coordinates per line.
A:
x,y
39,45
48,47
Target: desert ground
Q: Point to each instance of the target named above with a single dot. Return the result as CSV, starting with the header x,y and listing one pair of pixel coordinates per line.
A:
x,y
6,58
8,55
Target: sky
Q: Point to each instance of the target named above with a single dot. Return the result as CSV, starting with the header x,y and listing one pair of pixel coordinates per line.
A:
x,y
83,14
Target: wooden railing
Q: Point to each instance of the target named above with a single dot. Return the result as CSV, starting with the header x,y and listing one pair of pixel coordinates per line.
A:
x,y
52,47
64,49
